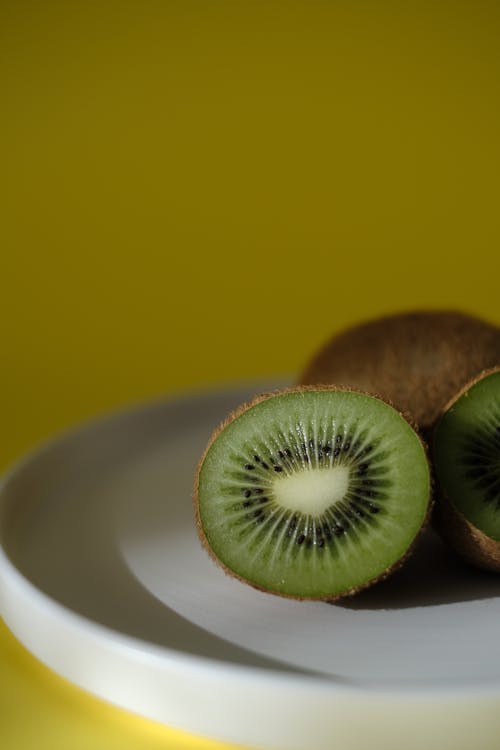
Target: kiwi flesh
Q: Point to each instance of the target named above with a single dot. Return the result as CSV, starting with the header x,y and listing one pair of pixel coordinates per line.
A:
x,y
417,360
467,465
312,493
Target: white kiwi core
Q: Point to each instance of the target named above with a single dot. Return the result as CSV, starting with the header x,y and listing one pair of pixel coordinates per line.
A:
x,y
312,491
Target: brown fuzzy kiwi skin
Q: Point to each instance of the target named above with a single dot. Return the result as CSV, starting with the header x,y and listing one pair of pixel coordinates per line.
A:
x,y
297,389
416,360
469,542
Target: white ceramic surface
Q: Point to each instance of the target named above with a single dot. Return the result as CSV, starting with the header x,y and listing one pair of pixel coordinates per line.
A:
x,y
102,578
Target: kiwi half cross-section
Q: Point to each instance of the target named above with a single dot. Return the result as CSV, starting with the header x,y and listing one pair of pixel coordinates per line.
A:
x,y
467,466
312,493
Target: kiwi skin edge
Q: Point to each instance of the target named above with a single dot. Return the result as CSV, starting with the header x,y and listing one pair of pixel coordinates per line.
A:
x,y
469,542
296,389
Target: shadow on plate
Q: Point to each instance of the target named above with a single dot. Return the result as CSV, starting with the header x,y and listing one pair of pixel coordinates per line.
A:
x,y
433,575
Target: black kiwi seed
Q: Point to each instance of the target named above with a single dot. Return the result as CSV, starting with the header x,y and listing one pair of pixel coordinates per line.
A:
x,y
475,474
474,461
247,503
278,468
257,512
301,539
258,491
264,465
256,459
247,493
249,467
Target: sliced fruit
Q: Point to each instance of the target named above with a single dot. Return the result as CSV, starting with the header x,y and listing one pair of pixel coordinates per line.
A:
x,y
312,493
467,464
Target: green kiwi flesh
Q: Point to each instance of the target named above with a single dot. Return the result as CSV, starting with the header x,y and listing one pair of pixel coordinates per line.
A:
x,y
312,493
417,360
467,466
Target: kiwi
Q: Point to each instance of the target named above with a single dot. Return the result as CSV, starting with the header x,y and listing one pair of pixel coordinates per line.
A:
x,y
312,493
467,465
416,360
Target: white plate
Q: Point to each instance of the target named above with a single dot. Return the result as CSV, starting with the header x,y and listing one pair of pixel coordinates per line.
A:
x,y
103,579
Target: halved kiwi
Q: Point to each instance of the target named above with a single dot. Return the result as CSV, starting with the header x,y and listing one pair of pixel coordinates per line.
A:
x,y
312,493
417,360
467,466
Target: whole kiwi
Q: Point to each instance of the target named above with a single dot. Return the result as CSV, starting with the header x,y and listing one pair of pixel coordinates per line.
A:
x,y
417,360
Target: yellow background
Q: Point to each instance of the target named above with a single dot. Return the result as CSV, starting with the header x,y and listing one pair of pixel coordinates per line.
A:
x,y
197,192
